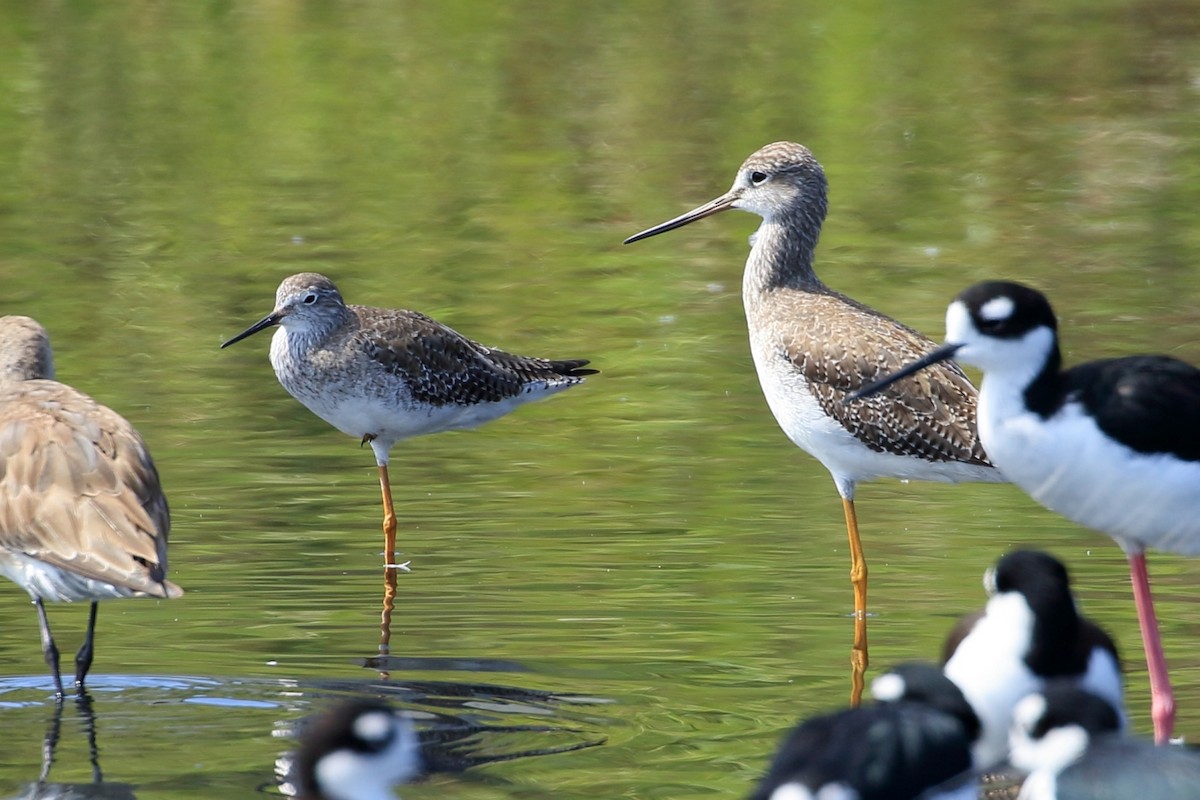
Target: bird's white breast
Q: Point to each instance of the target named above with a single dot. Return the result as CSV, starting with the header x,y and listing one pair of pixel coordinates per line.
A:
x,y
1067,464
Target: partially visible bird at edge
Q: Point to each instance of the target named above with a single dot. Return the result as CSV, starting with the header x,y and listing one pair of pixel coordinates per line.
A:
x,y
83,516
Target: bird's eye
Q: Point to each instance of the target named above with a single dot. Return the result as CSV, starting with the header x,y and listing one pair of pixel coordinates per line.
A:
x,y
758,178
310,298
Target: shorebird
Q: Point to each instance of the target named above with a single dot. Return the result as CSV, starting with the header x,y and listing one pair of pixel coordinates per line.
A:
x,y
1030,632
82,513
1069,742
1113,445
357,750
913,742
813,346
382,374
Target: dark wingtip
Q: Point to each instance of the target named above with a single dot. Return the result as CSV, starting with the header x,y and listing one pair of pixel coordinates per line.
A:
x,y
574,368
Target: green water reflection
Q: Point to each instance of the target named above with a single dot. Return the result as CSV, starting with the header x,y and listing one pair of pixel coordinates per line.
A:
x,y
649,537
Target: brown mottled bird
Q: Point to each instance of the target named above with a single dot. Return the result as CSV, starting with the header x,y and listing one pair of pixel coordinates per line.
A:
x,y
82,513
813,346
383,374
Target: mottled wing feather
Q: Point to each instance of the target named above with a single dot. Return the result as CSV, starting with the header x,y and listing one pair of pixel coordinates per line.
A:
x,y
78,489
846,345
441,366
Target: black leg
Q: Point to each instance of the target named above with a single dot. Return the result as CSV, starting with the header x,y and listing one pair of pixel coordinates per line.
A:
x,y
50,742
83,659
48,648
87,715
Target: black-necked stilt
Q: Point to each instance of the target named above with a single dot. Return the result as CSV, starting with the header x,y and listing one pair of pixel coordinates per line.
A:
x,y
1113,445
914,742
357,750
383,374
813,346
82,513
1029,632
1068,740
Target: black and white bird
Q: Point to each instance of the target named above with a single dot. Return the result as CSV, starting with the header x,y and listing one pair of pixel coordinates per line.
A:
x,y
915,741
1029,632
357,750
1069,742
1113,445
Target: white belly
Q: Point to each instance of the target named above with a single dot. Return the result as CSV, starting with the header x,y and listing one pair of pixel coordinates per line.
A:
x,y
824,438
51,583
1068,466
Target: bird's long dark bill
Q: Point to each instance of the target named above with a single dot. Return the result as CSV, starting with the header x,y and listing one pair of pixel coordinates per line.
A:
x,y
265,322
943,353
722,203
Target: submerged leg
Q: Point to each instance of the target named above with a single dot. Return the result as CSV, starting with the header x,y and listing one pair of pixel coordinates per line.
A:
x,y
83,659
385,620
48,648
858,579
1162,698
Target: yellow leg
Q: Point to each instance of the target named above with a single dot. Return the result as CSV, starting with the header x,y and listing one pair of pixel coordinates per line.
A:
x,y
389,517
858,579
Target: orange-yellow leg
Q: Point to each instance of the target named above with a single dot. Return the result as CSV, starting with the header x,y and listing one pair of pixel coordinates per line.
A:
x,y
389,517
858,579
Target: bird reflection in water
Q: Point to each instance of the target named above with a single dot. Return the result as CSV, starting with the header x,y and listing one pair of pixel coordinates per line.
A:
x,y
98,789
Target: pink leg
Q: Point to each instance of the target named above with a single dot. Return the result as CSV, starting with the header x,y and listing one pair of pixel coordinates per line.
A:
x,y
1162,699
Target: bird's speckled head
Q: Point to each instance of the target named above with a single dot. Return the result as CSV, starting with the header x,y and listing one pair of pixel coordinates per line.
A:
x,y
304,303
25,352
781,181
304,299
781,176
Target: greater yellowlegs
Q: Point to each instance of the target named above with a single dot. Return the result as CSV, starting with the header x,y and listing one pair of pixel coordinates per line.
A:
x,y
813,346
1030,632
1113,445
382,374
356,750
913,742
82,513
1069,742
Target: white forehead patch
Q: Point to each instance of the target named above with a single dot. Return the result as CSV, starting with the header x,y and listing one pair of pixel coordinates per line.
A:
x,y
997,308
791,791
830,791
1028,711
989,581
888,687
373,727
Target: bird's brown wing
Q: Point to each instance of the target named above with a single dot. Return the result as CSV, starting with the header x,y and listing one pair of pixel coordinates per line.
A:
x,y
78,489
442,367
840,345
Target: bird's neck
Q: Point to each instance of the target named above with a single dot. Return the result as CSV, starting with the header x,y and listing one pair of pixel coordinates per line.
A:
x,y
781,257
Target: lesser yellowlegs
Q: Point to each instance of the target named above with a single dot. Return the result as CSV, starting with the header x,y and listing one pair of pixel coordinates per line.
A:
x,y
914,742
357,750
382,374
1030,632
813,346
82,513
1113,445
1070,743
